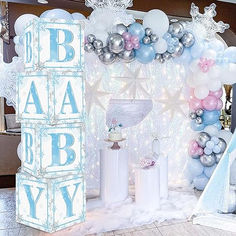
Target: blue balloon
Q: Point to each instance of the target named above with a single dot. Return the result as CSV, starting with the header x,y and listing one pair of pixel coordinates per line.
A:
x,y
230,54
216,45
194,168
78,16
218,125
185,58
210,117
200,182
208,171
145,54
197,49
137,29
44,14
57,14
197,127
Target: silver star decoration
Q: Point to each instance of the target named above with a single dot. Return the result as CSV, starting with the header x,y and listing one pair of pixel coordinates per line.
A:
x,y
172,103
93,95
206,20
133,82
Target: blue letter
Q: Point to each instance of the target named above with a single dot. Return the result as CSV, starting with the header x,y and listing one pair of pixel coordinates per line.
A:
x,y
28,146
56,148
32,202
35,102
55,45
28,47
68,199
69,93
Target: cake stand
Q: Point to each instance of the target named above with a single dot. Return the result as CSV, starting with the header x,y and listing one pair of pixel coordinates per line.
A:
x,y
115,145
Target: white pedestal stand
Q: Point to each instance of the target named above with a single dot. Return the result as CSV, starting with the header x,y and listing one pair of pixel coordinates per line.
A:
x,y
114,175
147,188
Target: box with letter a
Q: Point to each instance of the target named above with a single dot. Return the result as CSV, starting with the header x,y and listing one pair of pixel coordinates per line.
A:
x,y
50,204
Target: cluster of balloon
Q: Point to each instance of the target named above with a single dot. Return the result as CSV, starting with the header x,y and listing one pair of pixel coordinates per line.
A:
x,y
142,42
24,19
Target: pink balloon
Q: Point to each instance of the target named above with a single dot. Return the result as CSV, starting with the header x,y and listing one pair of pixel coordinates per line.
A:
x,y
191,152
219,104
210,103
199,151
194,144
128,46
195,103
217,93
136,45
126,36
134,39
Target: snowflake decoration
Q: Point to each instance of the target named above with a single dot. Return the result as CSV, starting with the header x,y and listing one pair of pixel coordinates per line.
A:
x,y
207,21
112,4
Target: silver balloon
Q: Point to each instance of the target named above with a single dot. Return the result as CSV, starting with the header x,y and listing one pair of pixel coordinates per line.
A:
x,y
192,115
107,58
127,55
159,58
183,23
154,38
199,112
176,29
98,51
187,40
116,43
203,138
120,29
196,156
178,51
148,32
146,40
198,120
88,47
218,157
166,56
91,38
208,160
222,144
98,44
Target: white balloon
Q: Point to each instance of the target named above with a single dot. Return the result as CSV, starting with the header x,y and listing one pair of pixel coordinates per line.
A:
x,y
201,92
16,40
191,81
228,74
194,66
214,72
225,134
19,153
209,54
214,85
78,16
212,130
201,78
21,23
157,20
160,46
19,50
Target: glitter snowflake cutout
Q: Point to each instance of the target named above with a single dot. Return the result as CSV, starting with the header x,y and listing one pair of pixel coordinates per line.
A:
x,y
207,21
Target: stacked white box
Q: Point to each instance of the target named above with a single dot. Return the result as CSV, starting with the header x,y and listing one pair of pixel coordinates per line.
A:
x,y
50,187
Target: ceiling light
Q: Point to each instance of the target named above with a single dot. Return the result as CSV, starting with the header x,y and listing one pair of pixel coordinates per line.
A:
x,y
43,1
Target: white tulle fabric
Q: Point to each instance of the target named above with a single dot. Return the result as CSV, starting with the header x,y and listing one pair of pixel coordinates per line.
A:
x,y
128,112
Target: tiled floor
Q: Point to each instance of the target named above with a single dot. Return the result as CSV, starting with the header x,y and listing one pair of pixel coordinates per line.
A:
x,y
9,227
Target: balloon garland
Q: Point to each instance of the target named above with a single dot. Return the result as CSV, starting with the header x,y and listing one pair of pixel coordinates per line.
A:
x,y
143,44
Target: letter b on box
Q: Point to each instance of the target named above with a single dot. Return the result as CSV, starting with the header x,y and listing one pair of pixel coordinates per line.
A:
x,y
51,151
54,44
50,204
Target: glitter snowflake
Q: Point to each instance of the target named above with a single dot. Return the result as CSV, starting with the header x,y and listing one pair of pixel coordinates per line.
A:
x,y
207,21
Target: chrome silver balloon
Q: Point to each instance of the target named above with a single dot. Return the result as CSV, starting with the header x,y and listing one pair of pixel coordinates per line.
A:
x,y
146,40
148,32
198,120
159,58
107,58
183,23
203,138
98,44
88,47
176,29
187,40
166,56
218,157
98,51
208,160
199,112
178,51
127,55
105,49
154,38
196,156
222,144
91,38
192,115
120,29
116,43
